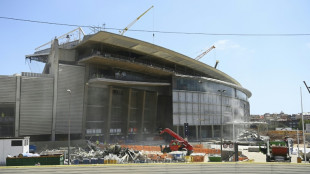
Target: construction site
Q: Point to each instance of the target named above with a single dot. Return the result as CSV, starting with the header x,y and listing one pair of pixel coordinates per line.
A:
x,y
105,98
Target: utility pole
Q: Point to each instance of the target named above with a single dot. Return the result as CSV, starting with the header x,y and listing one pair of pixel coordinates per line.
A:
x,y
221,91
305,153
199,95
303,126
69,91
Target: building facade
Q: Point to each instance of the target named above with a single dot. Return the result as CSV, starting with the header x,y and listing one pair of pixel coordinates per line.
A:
x,y
111,87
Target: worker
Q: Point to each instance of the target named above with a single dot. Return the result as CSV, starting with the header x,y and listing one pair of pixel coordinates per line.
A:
x,y
2,114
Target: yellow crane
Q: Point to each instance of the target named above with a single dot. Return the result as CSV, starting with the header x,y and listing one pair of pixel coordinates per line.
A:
x,y
205,52
133,22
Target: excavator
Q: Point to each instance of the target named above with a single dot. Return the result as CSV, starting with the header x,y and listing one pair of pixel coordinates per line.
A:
x,y
179,144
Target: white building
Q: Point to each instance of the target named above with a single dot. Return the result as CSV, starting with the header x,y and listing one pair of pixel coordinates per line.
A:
x,y
13,147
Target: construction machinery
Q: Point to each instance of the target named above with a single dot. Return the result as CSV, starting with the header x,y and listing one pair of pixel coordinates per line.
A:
x,y
204,53
179,144
277,151
133,22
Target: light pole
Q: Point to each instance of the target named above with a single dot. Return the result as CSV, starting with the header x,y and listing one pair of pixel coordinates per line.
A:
x,y
221,91
303,125
200,137
69,91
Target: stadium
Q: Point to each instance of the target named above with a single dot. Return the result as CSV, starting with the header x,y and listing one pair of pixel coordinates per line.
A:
x,y
111,87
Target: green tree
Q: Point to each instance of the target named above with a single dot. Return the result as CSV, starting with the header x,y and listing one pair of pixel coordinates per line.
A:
x,y
300,124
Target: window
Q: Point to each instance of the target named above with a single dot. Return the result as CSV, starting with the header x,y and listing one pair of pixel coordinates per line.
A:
x,y
26,143
17,143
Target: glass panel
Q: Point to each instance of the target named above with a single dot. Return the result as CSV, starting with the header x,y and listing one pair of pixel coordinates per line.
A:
x,y
16,143
175,96
176,119
195,109
195,97
189,107
182,108
175,107
182,119
241,95
181,96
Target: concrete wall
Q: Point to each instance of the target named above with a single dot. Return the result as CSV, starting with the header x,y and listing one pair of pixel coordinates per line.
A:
x,y
36,106
66,55
70,77
7,89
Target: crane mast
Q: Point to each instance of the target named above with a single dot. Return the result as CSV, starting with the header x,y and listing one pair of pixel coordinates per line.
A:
x,y
205,52
133,22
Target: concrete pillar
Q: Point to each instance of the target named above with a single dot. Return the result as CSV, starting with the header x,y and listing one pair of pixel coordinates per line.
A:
x,y
128,111
53,59
17,106
197,131
155,112
85,103
108,124
212,130
142,114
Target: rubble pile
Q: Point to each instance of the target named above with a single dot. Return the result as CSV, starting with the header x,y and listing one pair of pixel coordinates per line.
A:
x,y
94,155
251,138
119,154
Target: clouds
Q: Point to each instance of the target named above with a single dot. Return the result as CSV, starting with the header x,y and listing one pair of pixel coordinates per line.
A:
x,y
226,44
233,48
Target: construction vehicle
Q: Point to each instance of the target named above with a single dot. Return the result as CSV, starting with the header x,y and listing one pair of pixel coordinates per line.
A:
x,y
179,144
133,22
277,151
205,52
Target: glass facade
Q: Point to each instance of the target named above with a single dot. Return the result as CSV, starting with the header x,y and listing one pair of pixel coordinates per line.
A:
x,y
197,101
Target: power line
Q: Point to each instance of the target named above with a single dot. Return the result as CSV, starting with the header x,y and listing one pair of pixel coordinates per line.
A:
x,y
158,31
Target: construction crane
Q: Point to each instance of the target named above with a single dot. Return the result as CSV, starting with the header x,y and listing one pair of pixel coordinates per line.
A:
x,y
133,22
204,53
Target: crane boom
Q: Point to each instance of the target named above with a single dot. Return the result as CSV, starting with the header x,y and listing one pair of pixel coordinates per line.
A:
x,y
178,137
204,53
133,22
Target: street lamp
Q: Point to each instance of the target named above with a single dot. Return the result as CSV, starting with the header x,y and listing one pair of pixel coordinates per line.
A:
x,y
69,91
221,91
303,124
200,137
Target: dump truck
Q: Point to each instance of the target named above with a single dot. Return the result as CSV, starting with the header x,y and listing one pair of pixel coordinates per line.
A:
x,y
179,144
277,151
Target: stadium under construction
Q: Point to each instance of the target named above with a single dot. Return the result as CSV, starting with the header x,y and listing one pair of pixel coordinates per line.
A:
x,y
111,87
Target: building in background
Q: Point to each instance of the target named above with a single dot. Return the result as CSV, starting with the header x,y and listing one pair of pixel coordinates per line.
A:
x,y
113,88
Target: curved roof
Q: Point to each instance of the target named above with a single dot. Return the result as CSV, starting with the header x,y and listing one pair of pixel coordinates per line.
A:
x,y
159,52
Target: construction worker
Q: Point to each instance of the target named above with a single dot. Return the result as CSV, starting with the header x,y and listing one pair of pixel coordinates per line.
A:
x,y
2,114
97,142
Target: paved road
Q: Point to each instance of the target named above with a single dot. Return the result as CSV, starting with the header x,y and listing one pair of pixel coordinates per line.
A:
x,y
218,168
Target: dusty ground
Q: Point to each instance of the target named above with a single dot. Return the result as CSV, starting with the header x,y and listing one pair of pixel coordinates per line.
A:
x,y
260,157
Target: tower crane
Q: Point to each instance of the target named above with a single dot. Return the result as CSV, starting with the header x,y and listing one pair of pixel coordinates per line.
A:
x,y
133,22
205,52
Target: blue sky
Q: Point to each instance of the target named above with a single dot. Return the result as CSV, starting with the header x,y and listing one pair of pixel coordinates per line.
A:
x,y
273,68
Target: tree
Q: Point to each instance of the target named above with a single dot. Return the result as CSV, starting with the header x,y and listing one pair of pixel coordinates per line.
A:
x,y
300,123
